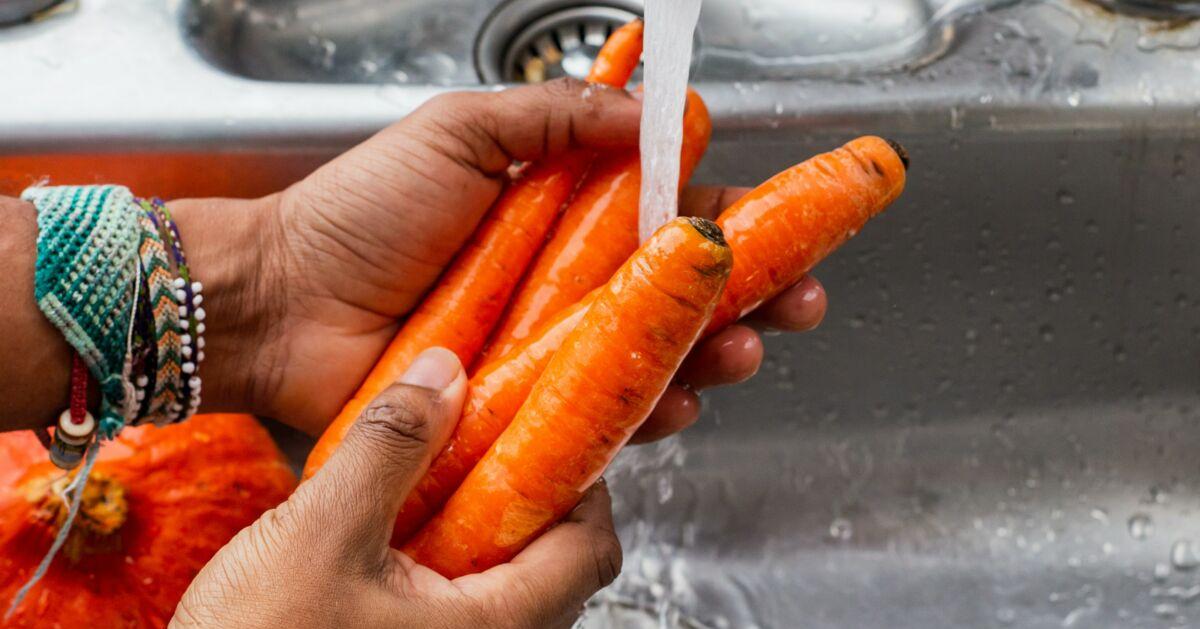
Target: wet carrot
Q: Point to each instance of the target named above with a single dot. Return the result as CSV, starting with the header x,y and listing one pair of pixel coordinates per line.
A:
x,y
597,232
591,398
849,185
619,56
784,227
496,391
469,298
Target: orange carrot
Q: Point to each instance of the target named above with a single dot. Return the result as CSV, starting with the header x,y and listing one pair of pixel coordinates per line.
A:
x,y
469,298
597,232
784,227
593,395
812,207
619,56
495,393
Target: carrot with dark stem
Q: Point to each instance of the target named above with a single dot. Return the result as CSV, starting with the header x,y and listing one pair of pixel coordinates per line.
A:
x,y
598,231
468,300
811,207
593,395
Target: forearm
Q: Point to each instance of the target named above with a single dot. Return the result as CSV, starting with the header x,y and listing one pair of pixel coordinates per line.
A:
x,y
221,241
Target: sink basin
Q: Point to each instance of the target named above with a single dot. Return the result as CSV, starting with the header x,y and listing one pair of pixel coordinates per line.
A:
x,y
362,41
998,423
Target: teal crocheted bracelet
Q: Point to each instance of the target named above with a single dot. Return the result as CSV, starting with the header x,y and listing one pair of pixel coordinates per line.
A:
x,y
86,281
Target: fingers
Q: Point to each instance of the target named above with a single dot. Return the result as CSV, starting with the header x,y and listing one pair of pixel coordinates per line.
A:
x,y
731,356
708,201
548,583
490,130
800,308
361,488
677,409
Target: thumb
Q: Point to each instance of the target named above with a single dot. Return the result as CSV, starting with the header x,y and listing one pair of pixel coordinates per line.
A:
x,y
359,491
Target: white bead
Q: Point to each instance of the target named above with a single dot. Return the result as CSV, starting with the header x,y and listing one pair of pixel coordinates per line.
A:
x,y
186,339
197,299
142,380
194,382
179,283
183,324
189,367
183,312
75,433
186,350
176,407
180,295
200,328
197,287
200,342
200,356
140,395
200,314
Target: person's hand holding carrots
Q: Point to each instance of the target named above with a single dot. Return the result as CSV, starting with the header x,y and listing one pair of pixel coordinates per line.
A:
x,y
322,559
345,254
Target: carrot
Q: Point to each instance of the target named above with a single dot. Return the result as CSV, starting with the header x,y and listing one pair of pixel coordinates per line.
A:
x,y
593,395
784,227
619,56
470,297
495,392
597,232
813,206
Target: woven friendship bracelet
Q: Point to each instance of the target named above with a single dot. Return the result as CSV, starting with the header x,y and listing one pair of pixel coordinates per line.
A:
x,y
86,282
191,313
162,382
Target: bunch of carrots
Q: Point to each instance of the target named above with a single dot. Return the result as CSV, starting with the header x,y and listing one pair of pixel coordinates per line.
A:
x,y
572,347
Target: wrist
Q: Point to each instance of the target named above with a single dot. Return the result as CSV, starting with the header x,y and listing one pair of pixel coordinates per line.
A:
x,y
227,242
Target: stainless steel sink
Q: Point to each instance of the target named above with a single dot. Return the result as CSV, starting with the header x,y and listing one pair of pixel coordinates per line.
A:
x,y
999,422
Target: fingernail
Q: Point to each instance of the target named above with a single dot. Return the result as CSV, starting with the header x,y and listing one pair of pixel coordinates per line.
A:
x,y
434,368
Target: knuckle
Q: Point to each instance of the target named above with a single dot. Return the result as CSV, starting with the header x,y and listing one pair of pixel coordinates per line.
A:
x,y
401,424
608,558
565,86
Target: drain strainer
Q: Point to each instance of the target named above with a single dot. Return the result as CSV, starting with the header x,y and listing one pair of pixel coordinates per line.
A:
x,y
1160,9
537,40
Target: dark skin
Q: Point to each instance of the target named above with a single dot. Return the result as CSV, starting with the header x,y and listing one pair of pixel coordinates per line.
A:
x,y
304,289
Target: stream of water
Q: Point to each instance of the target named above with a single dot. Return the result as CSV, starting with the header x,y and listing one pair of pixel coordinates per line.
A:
x,y
668,55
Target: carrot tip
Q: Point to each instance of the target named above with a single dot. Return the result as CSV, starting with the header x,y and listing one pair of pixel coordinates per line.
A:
x,y
708,229
900,151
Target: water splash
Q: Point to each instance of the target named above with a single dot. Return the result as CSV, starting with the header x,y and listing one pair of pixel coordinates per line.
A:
x,y
669,28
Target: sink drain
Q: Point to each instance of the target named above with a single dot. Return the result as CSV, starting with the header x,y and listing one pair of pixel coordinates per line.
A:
x,y
1160,9
530,41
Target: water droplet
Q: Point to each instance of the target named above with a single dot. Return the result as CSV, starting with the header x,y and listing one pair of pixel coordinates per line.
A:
x,y
1185,555
1046,332
1161,571
1140,526
1006,615
1166,610
1065,197
841,529
1100,515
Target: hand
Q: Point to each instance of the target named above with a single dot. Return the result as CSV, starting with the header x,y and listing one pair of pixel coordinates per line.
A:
x,y
321,559
346,253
